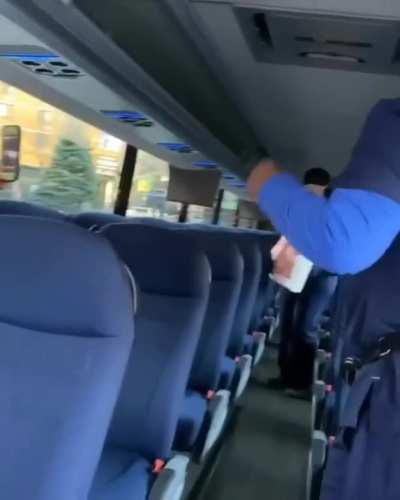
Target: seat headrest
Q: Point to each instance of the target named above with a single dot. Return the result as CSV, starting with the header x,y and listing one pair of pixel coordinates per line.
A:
x,y
89,220
265,241
152,221
9,207
163,261
248,247
223,255
61,279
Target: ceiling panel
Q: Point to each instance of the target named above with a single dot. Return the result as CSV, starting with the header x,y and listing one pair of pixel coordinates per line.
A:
x,y
305,116
335,42
100,89
378,8
171,59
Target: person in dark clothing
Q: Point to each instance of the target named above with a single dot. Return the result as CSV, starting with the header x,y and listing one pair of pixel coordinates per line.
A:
x,y
356,233
300,318
317,176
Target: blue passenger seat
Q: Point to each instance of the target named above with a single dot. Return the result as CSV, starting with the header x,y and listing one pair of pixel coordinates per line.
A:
x,y
65,339
10,207
251,255
206,408
256,339
153,221
173,279
264,296
96,220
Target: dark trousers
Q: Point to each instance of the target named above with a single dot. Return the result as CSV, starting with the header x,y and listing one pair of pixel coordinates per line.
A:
x,y
300,321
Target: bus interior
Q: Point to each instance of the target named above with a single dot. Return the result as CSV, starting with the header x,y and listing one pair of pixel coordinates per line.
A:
x,y
140,323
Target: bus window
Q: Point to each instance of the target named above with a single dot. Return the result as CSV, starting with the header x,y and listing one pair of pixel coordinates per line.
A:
x,y
66,164
149,189
247,223
197,213
228,209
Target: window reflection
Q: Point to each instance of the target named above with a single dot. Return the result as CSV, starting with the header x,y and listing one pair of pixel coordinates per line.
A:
x,y
149,189
65,163
199,214
229,207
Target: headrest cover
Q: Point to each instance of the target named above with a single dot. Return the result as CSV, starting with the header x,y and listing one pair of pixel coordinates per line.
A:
x,y
59,278
223,255
248,247
152,221
9,207
163,261
265,241
90,220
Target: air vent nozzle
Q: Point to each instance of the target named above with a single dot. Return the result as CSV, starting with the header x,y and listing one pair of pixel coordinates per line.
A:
x,y
134,118
332,56
205,164
176,147
39,61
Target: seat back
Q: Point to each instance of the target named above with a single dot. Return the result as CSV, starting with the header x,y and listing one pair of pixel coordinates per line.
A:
x,y
173,279
227,277
265,294
152,221
9,207
95,220
65,339
250,250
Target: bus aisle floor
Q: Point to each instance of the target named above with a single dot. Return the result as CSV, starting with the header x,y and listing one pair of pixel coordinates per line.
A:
x,y
265,457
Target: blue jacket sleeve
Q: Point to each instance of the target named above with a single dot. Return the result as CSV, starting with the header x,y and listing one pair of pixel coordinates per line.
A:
x,y
346,233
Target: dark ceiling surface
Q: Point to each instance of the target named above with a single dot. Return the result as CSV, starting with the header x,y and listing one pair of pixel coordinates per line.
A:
x,y
304,115
147,31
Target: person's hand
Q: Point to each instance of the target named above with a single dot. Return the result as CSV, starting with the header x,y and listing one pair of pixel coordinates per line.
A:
x,y
259,176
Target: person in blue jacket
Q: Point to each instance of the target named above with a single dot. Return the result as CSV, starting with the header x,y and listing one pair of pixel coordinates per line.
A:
x,y
355,233
300,318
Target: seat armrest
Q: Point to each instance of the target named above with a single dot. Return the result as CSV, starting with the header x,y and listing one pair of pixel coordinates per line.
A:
x,y
217,414
170,482
319,449
259,346
245,364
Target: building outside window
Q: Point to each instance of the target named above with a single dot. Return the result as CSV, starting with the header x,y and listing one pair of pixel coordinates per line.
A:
x,y
66,164
70,165
149,190
228,209
199,214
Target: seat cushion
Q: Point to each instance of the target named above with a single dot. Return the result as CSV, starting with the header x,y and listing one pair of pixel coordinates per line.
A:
x,y
227,372
191,420
121,474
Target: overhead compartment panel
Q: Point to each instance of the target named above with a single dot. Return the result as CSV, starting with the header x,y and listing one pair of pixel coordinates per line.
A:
x,y
323,41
